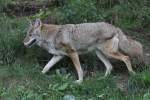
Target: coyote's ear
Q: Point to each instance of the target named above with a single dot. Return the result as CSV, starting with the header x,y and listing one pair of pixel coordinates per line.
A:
x,y
37,23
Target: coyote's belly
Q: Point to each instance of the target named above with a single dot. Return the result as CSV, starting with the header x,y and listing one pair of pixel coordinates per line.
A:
x,y
83,48
63,50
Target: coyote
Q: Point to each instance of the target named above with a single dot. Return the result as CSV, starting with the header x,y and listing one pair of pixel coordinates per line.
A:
x,y
71,40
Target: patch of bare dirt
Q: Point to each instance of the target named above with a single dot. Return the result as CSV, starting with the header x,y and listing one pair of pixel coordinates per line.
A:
x,y
122,82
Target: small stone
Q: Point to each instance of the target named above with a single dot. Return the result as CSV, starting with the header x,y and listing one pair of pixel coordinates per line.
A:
x,y
147,54
1,62
69,97
63,71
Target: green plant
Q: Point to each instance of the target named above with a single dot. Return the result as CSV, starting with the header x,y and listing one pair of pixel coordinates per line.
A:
x,y
11,35
139,83
4,3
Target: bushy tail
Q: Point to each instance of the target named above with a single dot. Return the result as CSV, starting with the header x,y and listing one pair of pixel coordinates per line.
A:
x,y
130,47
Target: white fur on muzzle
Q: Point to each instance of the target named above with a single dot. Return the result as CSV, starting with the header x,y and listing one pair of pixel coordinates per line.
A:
x,y
30,42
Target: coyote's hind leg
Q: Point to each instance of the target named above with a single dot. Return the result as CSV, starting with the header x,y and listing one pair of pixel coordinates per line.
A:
x,y
123,58
106,62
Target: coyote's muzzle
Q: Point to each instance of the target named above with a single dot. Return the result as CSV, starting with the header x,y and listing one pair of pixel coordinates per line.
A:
x,y
29,42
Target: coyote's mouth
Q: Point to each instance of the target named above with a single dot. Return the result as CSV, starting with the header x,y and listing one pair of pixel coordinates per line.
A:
x,y
32,42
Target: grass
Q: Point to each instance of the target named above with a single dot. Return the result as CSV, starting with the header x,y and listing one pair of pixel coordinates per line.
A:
x,y
25,82
11,35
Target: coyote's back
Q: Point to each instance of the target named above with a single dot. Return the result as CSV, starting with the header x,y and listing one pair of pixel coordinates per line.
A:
x,y
86,36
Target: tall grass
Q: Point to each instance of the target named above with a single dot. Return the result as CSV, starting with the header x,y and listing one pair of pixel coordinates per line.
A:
x,y
11,35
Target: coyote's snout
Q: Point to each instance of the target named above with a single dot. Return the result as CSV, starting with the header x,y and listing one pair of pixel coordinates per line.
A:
x,y
106,40
29,41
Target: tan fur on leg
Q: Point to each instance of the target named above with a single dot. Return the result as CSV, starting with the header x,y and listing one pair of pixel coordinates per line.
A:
x,y
123,58
75,59
106,62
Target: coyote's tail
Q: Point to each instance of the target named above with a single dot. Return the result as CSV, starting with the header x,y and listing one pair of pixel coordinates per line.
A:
x,y
130,47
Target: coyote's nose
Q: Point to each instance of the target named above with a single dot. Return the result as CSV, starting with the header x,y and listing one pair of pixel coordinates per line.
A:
x,y
30,42
25,44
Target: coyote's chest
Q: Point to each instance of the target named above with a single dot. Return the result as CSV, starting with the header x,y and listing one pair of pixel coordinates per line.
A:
x,y
51,48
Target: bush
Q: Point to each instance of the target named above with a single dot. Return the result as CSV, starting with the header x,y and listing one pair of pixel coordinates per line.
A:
x,y
4,3
123,13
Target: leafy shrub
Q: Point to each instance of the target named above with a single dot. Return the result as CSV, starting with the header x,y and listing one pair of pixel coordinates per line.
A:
x,y
4,3
123,13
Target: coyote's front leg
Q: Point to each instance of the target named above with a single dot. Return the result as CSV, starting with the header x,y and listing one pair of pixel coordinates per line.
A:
x,y
52,62
106,62
75,59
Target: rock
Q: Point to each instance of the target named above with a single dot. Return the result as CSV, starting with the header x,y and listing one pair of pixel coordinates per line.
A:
x,y
63,70
69,97
147,54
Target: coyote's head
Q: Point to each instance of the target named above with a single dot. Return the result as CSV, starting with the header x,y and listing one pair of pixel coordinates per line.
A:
x,y
33,33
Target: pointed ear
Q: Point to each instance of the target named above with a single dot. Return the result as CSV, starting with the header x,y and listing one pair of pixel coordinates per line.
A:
x,y
37,23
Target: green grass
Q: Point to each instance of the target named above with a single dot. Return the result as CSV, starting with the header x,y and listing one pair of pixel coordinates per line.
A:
x,y
11,35
26,82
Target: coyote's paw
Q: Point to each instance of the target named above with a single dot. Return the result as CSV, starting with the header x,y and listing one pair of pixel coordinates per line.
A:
x,y
78,81
132,73
105,77
43,71
108,72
